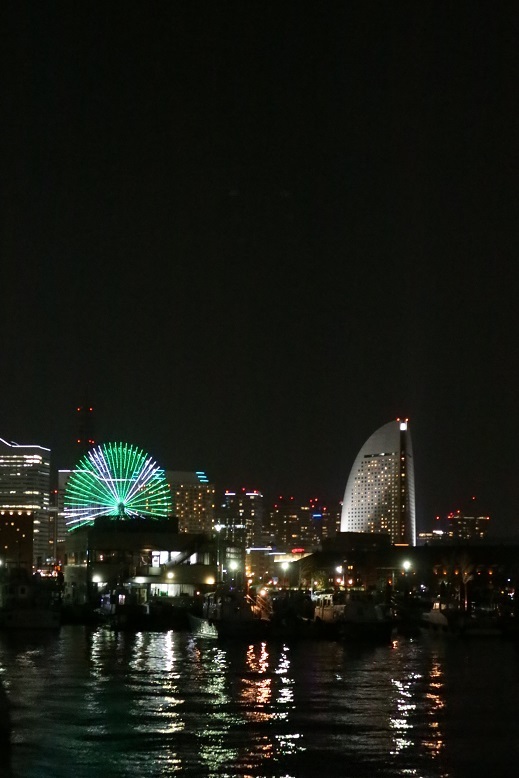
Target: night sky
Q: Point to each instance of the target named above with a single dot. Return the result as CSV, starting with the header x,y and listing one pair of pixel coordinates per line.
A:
x,y
249,234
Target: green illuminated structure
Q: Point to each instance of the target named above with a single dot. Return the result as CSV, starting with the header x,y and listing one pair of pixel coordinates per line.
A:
x,y
118,480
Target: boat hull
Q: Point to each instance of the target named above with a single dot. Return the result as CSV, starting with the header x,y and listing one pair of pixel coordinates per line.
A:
x,y
247,629
377,632
30,619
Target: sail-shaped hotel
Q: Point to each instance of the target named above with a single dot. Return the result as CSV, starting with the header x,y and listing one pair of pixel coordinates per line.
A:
x,y
379,494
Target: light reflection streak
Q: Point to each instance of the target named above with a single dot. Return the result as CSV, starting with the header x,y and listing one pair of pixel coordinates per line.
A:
x,y
435,744
212,673
424,692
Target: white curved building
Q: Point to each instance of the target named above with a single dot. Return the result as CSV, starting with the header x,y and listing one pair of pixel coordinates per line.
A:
x,y
379,495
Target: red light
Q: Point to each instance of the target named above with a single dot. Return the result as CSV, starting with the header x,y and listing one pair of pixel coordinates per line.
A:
x,y
78,440
90,409
79,409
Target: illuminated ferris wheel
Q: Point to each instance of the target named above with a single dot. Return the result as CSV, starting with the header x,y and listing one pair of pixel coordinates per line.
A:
x,y
118,480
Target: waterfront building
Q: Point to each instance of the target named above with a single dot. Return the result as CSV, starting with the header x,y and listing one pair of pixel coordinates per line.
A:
x,y
25,487
379,495
137,558
193,499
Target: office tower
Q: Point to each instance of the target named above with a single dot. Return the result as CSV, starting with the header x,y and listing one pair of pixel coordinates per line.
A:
x,y
241,513
285,523
379,494
292,525
193,500
24,487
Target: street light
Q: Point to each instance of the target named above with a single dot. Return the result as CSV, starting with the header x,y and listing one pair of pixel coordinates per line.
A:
x,y
406,567
233,567
219,564
284,567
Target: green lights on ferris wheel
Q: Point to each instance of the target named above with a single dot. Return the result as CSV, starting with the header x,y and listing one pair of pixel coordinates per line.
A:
x,y
118,480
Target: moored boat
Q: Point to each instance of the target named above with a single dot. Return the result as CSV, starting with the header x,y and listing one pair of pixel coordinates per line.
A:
x,y
353,615
228,613
365,619
450,619
30,618
27,604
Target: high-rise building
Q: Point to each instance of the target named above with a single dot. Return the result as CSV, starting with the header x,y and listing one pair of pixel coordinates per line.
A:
x,y
284,523
193,500
241,513
294,525
25,486
379,494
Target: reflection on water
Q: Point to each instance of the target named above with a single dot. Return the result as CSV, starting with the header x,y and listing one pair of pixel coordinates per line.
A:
x,y
95,702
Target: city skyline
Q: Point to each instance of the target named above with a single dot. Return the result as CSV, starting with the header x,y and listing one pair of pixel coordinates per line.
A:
x,y
59,477
250,236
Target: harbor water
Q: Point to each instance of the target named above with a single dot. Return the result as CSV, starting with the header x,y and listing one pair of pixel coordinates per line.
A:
x,y
90,702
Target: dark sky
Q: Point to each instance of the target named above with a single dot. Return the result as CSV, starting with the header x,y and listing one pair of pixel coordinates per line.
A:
x,y
252,233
